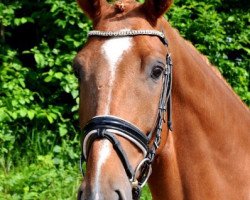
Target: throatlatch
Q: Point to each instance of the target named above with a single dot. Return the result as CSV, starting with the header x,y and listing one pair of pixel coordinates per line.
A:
x,y
101,127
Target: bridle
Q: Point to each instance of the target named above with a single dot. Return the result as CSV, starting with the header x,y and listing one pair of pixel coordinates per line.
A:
x,y
107,127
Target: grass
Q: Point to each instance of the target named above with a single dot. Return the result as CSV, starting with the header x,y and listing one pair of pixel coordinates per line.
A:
x,y
44,180
41,180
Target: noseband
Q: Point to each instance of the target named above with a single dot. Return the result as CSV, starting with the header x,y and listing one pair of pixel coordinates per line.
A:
x,y
107,127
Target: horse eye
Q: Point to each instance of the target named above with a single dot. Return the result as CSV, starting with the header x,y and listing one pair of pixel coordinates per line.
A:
x,y
156,72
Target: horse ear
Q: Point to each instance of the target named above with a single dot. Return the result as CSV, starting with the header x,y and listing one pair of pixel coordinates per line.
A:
x,y
92,8
156,8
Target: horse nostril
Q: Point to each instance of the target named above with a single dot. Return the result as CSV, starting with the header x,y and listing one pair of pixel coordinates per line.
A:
x,y
119,194
79,195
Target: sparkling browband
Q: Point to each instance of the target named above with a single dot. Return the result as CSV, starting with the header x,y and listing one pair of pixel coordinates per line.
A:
x,y
123,33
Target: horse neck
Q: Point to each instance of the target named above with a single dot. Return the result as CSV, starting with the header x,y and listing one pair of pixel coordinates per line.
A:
x,y
210,142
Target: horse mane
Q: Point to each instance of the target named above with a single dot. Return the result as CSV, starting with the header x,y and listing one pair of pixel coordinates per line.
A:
x,y
214,69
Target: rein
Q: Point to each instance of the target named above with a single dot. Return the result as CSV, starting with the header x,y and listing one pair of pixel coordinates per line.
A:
x,y
107,127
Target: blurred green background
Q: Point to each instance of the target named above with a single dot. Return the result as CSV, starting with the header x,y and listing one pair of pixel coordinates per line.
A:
x,y
39,132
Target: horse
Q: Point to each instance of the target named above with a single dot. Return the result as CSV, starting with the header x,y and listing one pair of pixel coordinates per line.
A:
x,y
138,77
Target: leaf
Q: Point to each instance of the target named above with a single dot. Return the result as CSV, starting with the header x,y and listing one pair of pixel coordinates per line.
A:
x,y
63,130
231,19
31,114
23,112
48,78
57,161
23,20
58,75
19,21
75,94
50,119
57,149
39,58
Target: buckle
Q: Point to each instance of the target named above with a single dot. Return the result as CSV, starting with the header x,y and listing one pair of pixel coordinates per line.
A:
x,y
145,168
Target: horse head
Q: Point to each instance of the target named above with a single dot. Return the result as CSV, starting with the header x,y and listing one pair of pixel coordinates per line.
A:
x,y
124,88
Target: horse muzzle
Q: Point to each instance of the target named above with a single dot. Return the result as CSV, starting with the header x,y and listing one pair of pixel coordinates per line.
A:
x,y
108,127
85,193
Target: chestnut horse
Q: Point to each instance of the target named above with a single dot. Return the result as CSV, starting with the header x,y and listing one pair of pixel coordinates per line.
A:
x,y
207,156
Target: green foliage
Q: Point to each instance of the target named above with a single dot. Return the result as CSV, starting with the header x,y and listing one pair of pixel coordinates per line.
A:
x,y
39,134
39,93
221,30
41,180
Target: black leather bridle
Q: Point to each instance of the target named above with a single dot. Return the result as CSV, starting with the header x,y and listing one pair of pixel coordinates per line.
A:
x,y
108,127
